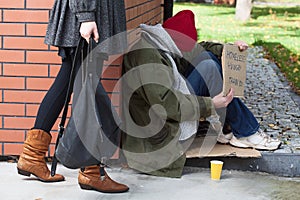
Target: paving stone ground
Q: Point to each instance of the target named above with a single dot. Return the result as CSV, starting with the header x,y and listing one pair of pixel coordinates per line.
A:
x,y
271,100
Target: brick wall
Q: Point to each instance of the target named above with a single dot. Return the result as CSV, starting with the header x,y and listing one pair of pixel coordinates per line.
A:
x,y
28,66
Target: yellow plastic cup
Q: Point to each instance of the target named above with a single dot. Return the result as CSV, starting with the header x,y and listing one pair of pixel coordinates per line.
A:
x,y
216,169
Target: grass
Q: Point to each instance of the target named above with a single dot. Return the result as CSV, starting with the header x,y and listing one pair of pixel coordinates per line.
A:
x,y
280,1
277,29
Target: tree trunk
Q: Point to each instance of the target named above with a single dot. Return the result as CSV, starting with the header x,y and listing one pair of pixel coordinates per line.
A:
x,y
243,10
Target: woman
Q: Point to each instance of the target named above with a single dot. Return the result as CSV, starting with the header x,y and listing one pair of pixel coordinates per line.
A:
x,y
70,20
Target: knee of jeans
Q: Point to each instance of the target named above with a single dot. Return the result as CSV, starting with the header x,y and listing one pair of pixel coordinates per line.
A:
x,y
208,66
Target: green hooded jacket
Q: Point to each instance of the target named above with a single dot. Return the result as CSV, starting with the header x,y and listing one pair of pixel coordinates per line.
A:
x,y
158,152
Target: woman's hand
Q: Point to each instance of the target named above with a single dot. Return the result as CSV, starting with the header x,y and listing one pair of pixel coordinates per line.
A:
x,y
221,101
87,29
242,45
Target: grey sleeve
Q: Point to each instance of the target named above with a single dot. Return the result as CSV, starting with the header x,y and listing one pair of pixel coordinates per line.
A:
x,y
84,9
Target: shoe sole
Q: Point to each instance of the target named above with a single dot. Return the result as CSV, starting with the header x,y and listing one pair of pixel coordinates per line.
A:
x,y
258,147
26,173
88,187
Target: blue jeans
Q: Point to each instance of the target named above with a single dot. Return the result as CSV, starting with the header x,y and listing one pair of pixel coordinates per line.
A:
x,y
206,80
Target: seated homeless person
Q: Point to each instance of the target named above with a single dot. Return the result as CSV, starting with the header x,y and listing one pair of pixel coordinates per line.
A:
x,y
161,110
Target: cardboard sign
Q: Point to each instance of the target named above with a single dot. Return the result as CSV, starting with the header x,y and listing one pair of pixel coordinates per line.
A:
x,y
234,64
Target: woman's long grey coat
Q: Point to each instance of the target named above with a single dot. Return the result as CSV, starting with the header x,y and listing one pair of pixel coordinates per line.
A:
x,y
66,16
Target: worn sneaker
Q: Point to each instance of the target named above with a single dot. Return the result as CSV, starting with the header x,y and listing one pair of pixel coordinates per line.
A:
x,y
259,140
224,138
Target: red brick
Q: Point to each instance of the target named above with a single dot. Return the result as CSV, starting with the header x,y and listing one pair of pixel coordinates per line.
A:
x,y
134,23
110,85
12,149
54,136
12,109
25,70
131,13
68,114
18,122
54,69
115,60
111,72
12,136
12,56
133,37
12,83
130,3
23,96
53,48
36,29
115,99
42,4
38,83
27,43
31,110
25,16
12,4
12,29
134,13
43,57
45,65
127,3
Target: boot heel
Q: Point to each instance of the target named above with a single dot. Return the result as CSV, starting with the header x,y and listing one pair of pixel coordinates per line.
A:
x,y
85,187
24,173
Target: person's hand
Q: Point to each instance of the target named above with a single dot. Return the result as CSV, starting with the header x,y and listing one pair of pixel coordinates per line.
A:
x,y
242,45
87,29
221,101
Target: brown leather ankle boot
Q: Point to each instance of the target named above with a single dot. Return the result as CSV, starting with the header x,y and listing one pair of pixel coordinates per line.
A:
x,y
90,179
32,159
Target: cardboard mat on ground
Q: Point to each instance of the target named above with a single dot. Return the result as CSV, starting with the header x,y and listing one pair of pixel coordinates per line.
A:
x,y
210,148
